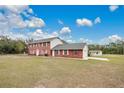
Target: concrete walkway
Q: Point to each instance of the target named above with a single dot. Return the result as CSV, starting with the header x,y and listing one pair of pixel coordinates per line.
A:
x,y
97,58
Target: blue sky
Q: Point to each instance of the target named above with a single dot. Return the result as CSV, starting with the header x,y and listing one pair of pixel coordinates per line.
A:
x,y
73,23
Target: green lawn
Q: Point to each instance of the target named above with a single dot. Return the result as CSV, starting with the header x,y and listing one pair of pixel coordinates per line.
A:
x,y
32,71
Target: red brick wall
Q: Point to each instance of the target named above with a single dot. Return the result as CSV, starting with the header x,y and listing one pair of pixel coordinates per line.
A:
x,y
41,47
71,54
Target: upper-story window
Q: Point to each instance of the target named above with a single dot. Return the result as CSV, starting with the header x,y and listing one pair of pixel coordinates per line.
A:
x,y
33,45
30,45
44,44
41,44
48,43
36,45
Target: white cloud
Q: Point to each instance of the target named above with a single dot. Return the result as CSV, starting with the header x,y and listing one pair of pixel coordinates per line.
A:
x,y
38,31
11,19
55,34
65,33
97,20
15,21
60,22
70,41
112,8
17,36
84,22
35,22
65,30
112,38
2,17
83,40
15,8
30,11
39,34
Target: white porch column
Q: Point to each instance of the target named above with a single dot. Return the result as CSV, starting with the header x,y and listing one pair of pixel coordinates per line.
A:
x,y
85,53
67,52
53,53
37,52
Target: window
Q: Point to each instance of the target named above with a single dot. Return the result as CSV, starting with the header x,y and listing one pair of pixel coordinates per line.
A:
x,y
41,44
36,45
56,52
65,52
33,52
48,43
30,45
33,45
97,52
30,52
44,43
45,51
75,52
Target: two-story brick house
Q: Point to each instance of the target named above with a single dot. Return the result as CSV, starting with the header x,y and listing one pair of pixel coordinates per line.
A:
x,y
57,47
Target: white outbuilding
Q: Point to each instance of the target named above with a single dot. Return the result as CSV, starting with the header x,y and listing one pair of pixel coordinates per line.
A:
x,y
95,53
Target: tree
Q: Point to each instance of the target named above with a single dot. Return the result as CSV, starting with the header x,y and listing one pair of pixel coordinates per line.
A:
x,y
20,46
9,46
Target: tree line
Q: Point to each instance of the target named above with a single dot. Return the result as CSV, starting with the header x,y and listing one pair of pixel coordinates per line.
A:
x,y
9,46
110,48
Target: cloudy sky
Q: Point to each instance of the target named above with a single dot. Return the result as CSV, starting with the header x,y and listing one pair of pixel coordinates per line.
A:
x,y
92,24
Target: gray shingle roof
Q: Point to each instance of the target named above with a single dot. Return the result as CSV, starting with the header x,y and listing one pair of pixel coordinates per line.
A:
x,y
45,40
70,46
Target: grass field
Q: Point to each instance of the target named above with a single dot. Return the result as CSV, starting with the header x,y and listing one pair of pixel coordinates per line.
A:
x,y
31,71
